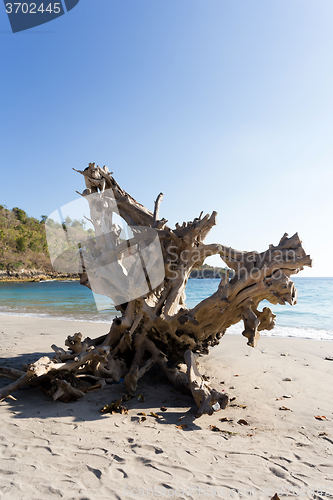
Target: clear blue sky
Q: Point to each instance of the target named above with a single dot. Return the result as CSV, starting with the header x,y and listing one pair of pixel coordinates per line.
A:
x,y
223,105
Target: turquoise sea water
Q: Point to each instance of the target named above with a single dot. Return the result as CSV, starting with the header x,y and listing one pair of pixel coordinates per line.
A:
x,y
311,317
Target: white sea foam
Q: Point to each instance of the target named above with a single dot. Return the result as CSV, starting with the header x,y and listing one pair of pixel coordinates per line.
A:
x,y
288,331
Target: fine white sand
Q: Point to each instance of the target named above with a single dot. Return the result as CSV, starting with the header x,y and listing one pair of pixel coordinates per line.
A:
x,y
55,450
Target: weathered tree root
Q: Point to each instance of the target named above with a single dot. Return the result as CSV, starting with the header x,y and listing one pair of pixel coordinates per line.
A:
x,y
204,396
156,328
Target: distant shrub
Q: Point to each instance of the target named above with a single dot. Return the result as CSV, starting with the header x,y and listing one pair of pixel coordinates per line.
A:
x,y
15,265
20,214
33,245
21,244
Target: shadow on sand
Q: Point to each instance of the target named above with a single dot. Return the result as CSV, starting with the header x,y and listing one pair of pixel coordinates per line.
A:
x,y
154,390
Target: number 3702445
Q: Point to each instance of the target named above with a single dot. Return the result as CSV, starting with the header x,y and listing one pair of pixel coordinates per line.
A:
x,y
32,8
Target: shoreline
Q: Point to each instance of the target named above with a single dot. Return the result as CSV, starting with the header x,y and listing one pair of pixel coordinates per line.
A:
x,y
234,330
36,280
71,451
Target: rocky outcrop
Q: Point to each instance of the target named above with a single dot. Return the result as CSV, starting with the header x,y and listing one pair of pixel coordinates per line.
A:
x,y
33,275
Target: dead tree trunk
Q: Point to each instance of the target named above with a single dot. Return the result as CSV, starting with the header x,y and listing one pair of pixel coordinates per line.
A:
x,y
156,327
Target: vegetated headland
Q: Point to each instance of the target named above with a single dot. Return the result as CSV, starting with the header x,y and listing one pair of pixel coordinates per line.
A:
x,y
24,252
23,248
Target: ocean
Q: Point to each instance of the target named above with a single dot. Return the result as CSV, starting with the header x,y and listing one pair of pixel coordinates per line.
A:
x,y
311,317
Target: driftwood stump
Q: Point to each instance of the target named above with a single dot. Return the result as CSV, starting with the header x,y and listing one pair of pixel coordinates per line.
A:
x,y
145,275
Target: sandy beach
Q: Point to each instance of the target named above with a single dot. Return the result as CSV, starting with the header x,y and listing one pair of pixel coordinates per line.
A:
x,y
71,451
